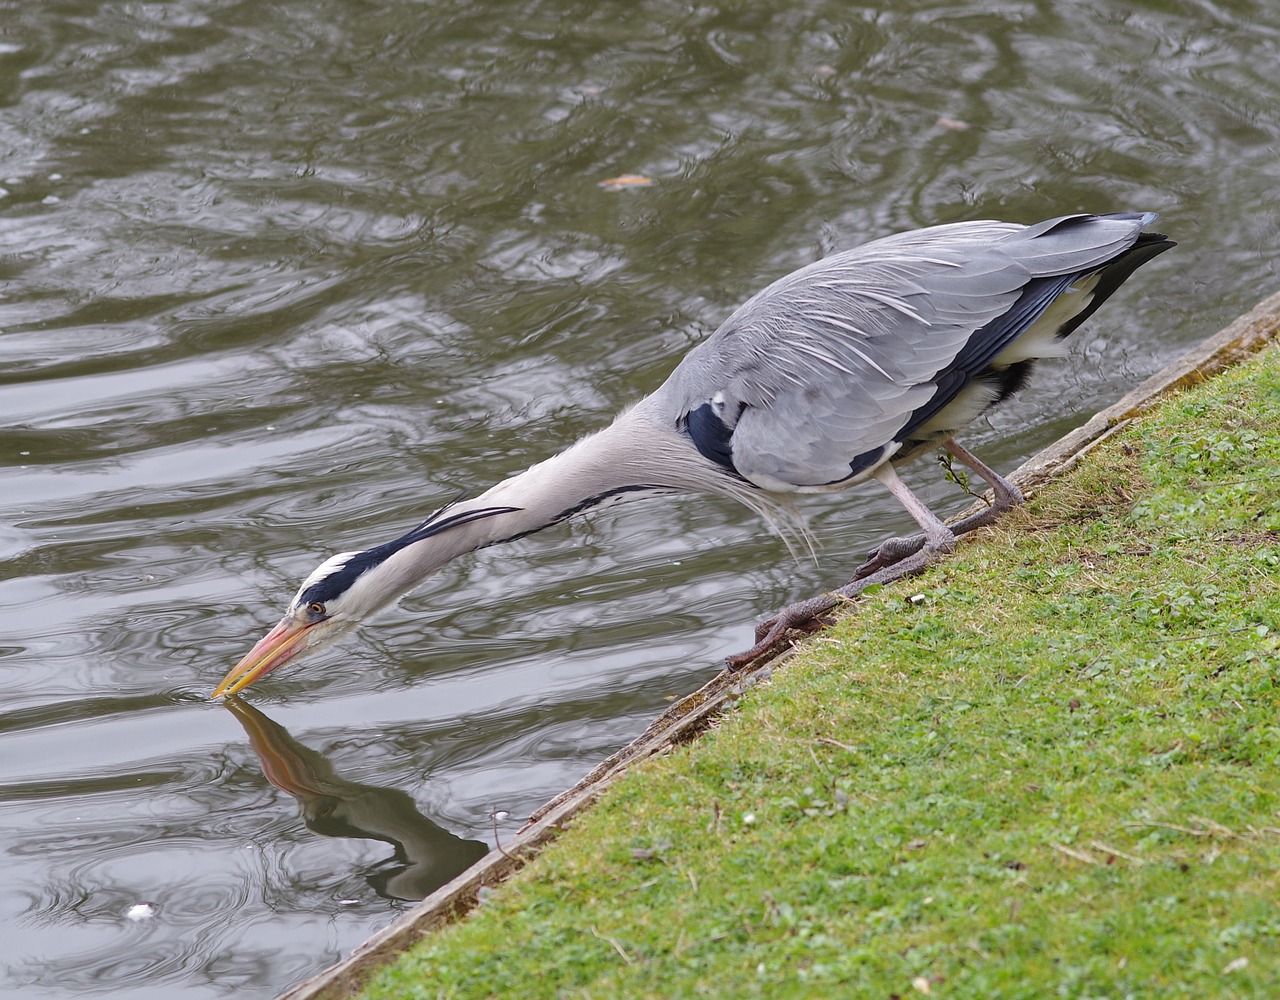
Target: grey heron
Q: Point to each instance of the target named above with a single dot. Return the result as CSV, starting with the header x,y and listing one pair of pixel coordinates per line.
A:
x,y
834,374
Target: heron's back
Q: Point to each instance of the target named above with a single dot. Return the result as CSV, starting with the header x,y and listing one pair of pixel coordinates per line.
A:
x,y
866,355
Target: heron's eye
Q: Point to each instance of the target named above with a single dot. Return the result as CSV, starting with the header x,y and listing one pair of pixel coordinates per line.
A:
x,y
316,608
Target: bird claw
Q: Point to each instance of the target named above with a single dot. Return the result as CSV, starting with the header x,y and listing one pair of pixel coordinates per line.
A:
x,y
804,616
908,557
783,622
888,552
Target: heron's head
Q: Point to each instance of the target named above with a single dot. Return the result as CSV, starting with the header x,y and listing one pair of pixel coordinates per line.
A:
x,y
347,588
343,590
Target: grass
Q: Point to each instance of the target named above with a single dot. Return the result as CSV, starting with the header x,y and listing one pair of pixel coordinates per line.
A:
x,y
1048,768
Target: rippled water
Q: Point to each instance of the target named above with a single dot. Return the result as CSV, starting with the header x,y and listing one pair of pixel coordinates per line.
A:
x,y
279,278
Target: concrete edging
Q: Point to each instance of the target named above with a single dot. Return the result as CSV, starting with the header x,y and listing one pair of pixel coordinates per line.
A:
x,y
685,719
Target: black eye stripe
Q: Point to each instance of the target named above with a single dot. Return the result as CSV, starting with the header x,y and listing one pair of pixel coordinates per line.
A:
x,y
340,580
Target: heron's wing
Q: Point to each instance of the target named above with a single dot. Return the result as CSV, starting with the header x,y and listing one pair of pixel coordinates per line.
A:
x,y
814,379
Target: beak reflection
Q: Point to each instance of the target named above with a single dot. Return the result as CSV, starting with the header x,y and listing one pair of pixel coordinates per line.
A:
x,y
426,855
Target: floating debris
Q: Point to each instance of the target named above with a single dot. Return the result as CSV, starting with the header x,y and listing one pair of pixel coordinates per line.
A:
x,y
624,181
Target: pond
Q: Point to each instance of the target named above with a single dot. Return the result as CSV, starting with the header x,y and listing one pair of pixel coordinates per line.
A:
x,y
279,279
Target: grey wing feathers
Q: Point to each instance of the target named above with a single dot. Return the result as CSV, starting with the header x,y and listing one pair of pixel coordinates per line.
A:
x,y
1060,246
809,382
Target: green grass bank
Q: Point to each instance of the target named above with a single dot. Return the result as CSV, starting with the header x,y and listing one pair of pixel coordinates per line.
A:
x,y
1048,767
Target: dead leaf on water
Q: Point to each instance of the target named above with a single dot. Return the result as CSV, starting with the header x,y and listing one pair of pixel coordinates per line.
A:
x,y
624,181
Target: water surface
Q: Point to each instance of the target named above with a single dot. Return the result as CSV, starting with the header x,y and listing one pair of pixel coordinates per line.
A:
x,y
279,279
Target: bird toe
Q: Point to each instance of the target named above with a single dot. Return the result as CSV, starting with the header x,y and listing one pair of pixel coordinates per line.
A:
x,y
888,552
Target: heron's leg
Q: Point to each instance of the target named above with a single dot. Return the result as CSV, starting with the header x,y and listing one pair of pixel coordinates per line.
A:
x,y
1004,495
936,539
937,535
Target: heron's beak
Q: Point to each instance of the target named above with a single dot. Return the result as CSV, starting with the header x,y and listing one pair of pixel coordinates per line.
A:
x,y
273,649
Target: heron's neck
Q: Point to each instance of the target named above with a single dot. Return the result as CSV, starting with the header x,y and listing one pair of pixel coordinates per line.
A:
x,y
638,452
578,478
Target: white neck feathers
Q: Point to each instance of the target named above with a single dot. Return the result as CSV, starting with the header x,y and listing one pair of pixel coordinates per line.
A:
x,y
639,451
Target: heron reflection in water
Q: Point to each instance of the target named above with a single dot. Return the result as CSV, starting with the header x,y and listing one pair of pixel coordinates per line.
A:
x,y
426,855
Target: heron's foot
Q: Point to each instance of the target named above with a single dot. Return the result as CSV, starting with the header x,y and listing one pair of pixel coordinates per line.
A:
x,y
811,615
771,634
888,552
893,550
